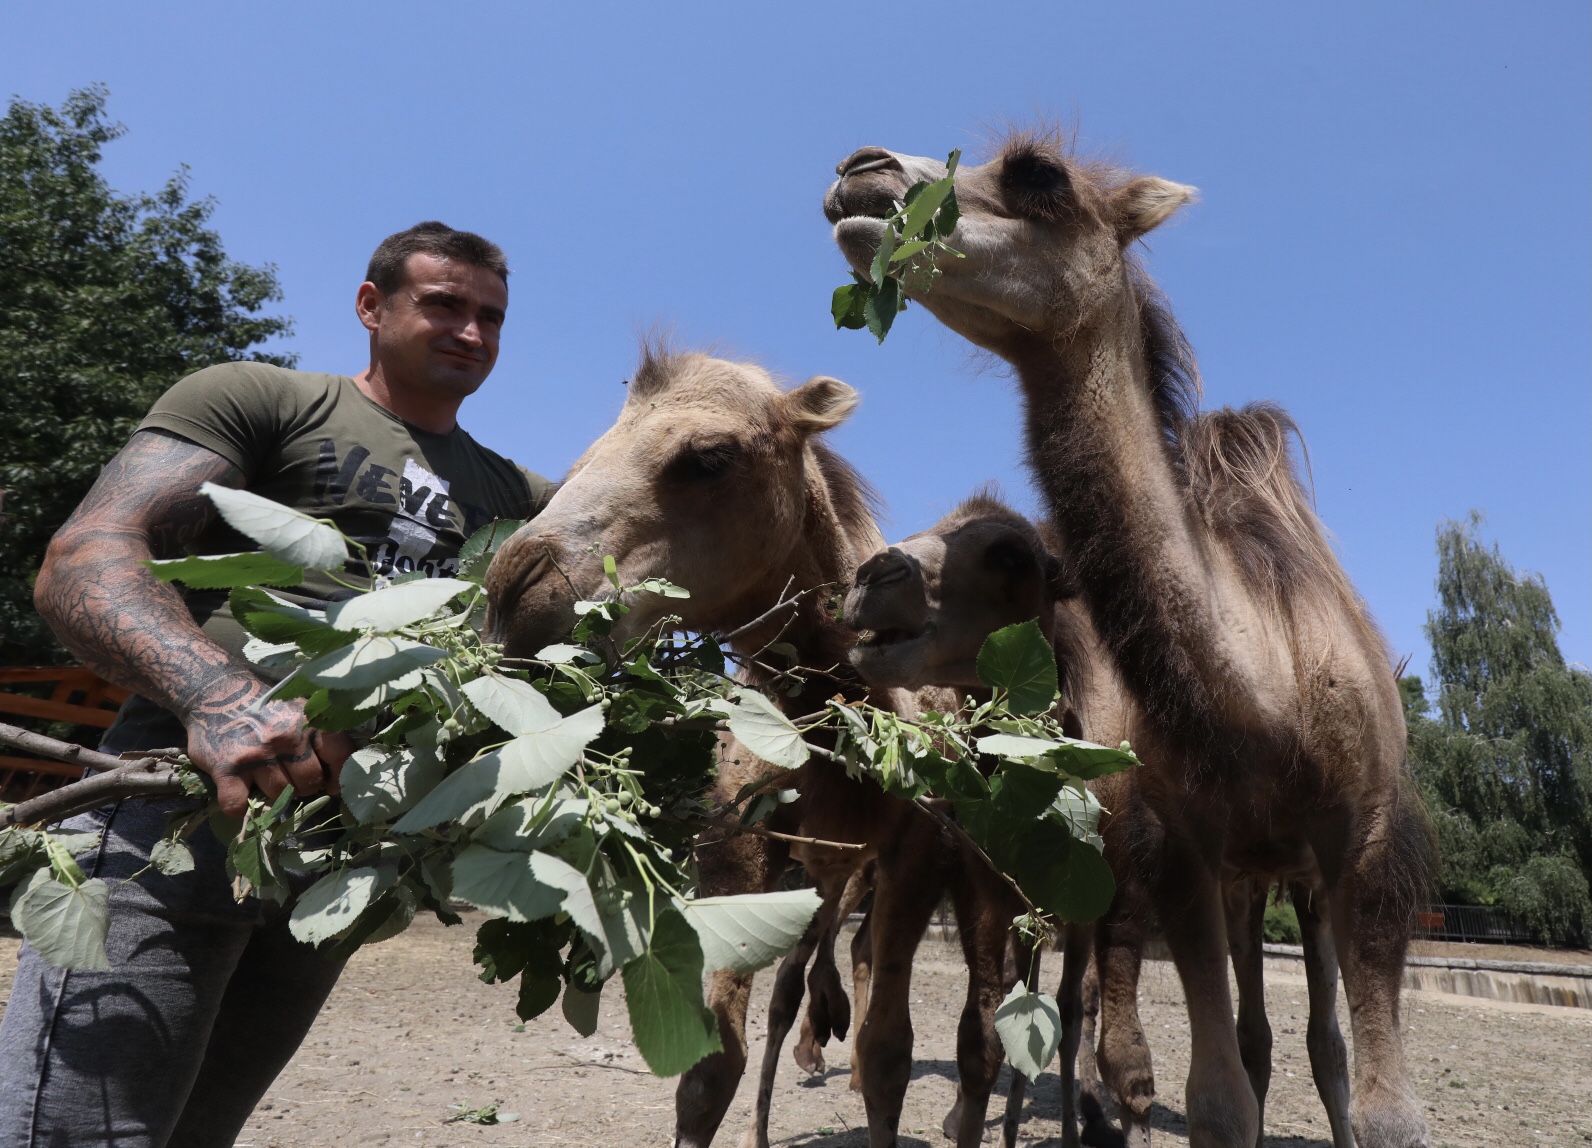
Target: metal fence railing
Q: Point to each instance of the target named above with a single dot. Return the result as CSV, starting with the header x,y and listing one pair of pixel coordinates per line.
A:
x,y
1487,924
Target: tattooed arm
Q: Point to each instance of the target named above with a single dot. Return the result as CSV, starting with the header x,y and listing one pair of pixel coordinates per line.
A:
x,y
132,629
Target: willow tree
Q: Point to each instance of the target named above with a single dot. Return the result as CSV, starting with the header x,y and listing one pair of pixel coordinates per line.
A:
x,y
107,299
1503,748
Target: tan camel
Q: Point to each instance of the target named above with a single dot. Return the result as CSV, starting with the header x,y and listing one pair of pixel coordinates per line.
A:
x,y
929,602
716,480
1276,736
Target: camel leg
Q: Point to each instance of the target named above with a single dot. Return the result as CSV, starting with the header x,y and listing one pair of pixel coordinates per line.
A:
x,y
1123,1057
1077,941
1371,909
782,1010
984,911
1025,957
1245,900
861,981
704,1093
742,864
828,1010
1329,1059
1220,1104
906,891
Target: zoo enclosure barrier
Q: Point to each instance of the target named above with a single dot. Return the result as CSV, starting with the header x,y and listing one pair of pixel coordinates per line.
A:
x,y
1486,924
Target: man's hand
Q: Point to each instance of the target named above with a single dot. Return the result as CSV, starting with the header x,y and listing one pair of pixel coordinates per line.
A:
x,y
268,749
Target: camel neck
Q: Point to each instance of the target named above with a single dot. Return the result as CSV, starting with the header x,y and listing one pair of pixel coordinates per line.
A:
x,y
1096,439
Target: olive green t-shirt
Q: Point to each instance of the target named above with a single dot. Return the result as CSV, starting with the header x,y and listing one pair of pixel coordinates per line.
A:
x,y
317,443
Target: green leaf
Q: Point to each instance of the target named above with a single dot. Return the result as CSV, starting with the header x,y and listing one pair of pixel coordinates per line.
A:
x,y
662,587
517,886
513,705
580,1009
66,925
287,534
847,303
475,786
663,988
380,783
1015,747
881,258
537,759
924,205
908,250
560,653
767,732
396,606
531,824
946,219
225,571
1086,761
880,310
272,620
1019,660
333,904
171,857
537,994
1079,810
1029,1026
1065,877
749,932
369,662
476,553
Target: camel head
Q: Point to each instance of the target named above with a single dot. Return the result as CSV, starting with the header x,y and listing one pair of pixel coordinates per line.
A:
x,y
923,607
705,480
1043,236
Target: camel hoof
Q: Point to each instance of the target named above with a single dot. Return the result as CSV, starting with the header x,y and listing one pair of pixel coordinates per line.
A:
x,y
953,1119
809,1057
1098,1132
1387,1122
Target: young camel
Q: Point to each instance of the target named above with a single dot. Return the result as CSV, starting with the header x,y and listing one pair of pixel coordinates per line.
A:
x,y
1275,734
932,600
716,480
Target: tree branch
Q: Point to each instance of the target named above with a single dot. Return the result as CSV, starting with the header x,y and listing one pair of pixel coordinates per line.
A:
x,y
118,779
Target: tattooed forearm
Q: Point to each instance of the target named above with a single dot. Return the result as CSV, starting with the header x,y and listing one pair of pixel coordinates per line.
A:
x,y
110,610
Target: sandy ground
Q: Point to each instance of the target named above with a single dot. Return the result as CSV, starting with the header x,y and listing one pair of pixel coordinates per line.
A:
x,y
411,1031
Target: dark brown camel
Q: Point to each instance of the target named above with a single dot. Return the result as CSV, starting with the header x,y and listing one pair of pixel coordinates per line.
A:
x,y
1275,733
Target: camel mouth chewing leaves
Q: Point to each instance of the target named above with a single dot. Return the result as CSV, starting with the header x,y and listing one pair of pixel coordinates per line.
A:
x,y
878,639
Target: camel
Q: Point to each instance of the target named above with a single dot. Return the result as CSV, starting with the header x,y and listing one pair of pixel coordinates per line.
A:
x,y
929,602
1274,734
716,480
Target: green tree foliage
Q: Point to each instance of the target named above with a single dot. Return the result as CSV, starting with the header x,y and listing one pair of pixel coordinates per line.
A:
x,y
107,300
1506,761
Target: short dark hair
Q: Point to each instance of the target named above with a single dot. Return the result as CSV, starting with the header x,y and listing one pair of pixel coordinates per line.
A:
x,y
387,264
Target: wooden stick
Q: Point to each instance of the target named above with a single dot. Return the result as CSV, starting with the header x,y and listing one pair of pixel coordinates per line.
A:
x,y
759,831
48,747
119,779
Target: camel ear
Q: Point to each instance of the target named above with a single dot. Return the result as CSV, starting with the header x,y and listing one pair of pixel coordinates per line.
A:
x,y
820,403
1143,204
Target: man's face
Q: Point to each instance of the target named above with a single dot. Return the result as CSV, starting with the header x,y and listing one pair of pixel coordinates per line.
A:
x,y
438,333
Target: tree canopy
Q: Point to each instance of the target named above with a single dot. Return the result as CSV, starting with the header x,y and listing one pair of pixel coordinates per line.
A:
x,y
107,300
1506,760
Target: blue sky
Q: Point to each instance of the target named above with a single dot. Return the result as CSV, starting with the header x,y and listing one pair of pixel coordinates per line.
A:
x,y
1393,241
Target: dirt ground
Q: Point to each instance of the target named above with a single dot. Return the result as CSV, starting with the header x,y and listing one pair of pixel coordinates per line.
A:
x,y
410,1031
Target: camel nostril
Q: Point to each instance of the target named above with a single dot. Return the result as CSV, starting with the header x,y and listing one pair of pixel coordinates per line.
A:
x,y
867,159
885,569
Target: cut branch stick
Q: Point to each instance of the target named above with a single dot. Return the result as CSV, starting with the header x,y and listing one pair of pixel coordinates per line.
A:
x,y
118,779
758,831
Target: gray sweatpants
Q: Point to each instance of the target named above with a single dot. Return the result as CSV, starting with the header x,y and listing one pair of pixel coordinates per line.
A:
x,y
204,1004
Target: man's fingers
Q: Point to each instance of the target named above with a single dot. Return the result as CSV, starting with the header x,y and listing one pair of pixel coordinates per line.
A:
x,y
333,749
306,774
232,794
269,780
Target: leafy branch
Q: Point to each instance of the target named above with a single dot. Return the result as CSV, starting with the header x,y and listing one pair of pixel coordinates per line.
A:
x,y
914,236
560,794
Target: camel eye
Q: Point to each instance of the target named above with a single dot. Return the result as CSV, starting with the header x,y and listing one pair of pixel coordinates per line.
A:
x,y
702,464
1034,184
1008,557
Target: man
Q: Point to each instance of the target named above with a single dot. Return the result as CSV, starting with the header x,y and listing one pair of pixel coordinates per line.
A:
x,y
207,999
